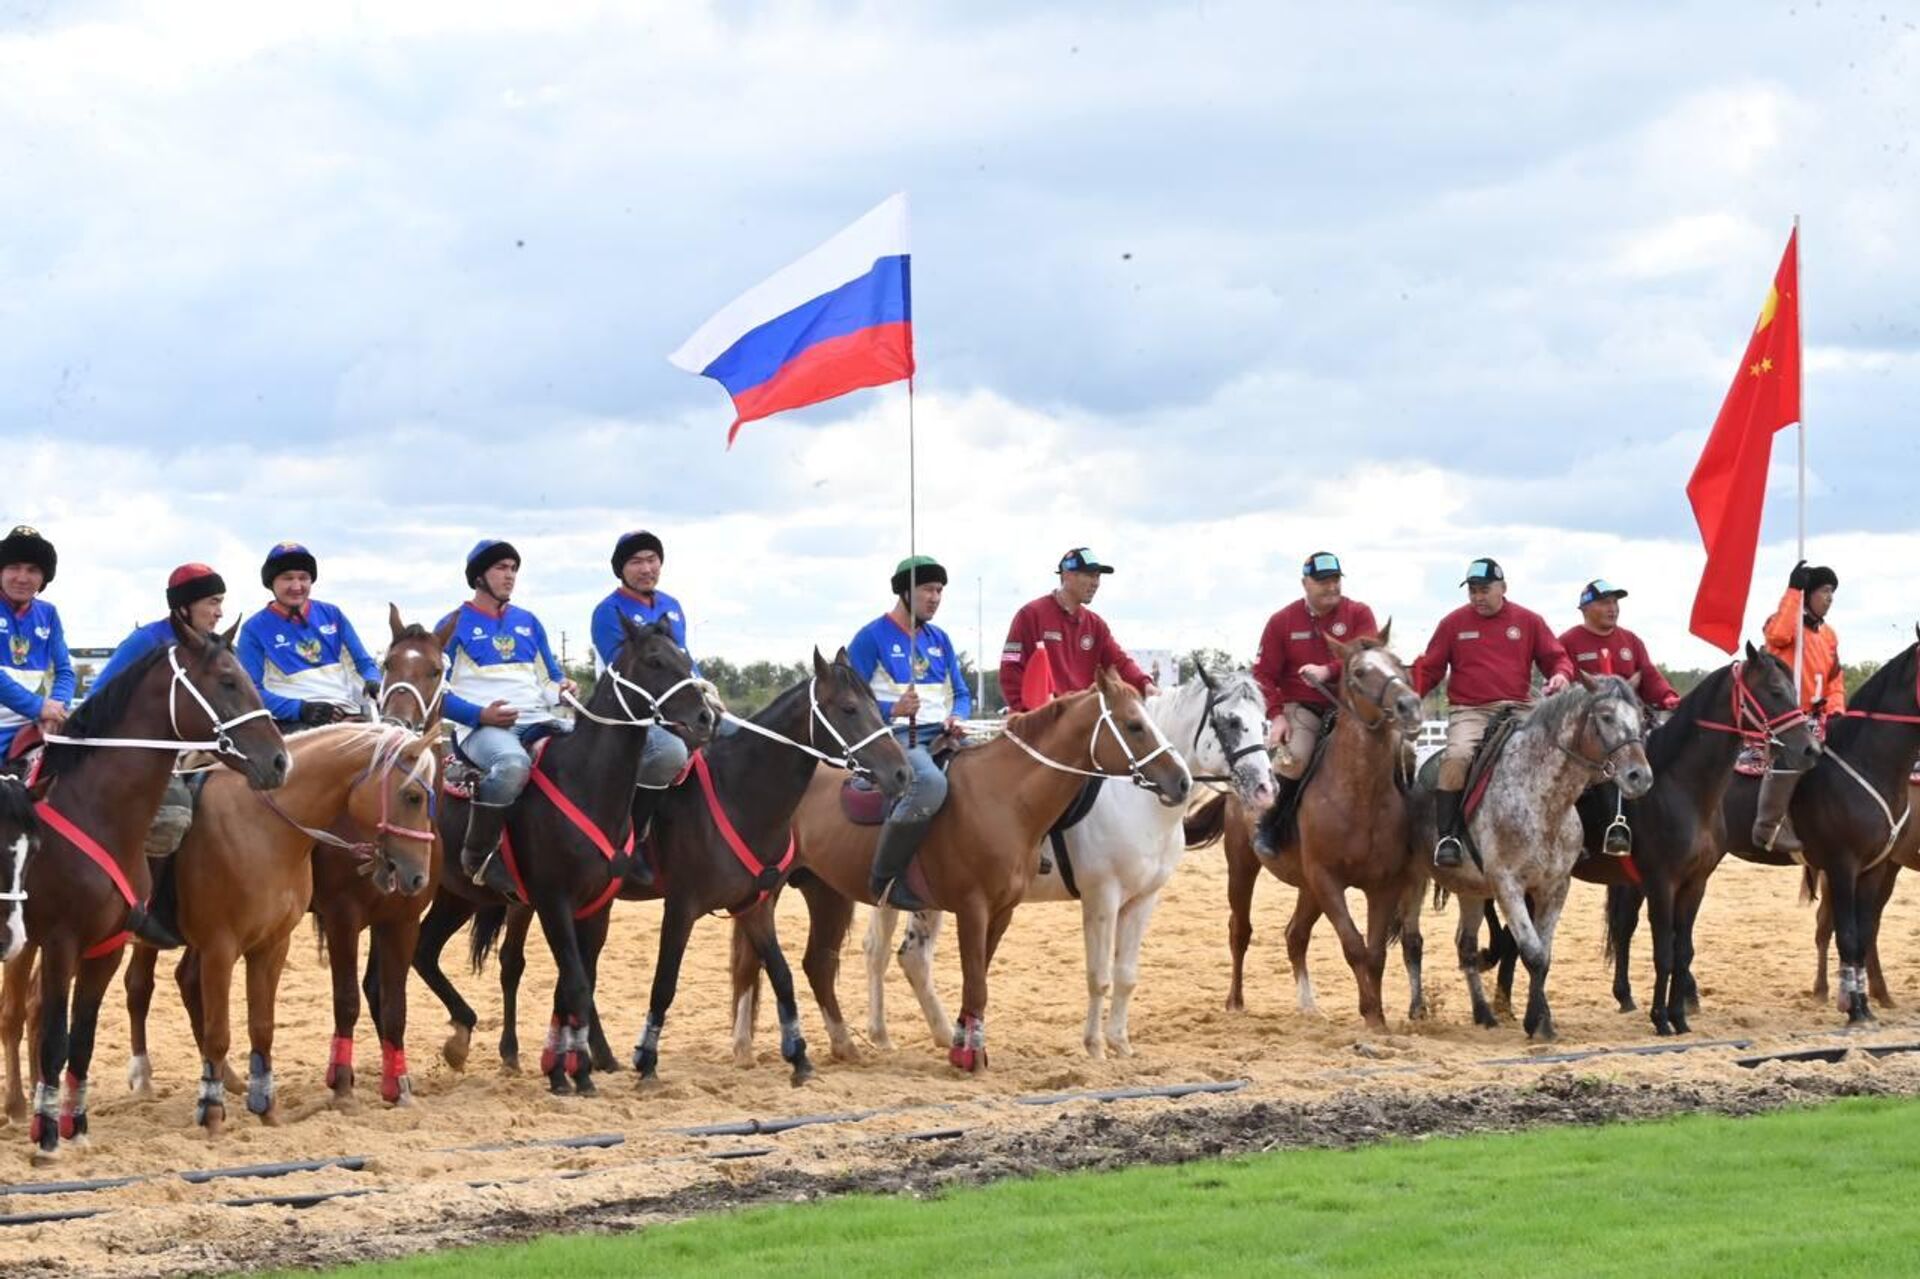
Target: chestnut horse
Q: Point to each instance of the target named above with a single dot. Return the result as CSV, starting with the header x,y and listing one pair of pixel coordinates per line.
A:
x,y
1350,831
979,855
245,878
348,901
105,776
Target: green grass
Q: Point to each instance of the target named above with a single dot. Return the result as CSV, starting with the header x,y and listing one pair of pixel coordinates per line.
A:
x,y
1820,1191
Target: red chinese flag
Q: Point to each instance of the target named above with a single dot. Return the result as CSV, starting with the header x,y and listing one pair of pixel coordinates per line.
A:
x,y
1036,682
1729,484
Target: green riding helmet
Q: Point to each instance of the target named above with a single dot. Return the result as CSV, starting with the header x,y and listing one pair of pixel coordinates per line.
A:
x,y
917,569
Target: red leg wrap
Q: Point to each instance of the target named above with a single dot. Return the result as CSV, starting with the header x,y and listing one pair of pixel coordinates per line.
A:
x,y
393,1071
340,1062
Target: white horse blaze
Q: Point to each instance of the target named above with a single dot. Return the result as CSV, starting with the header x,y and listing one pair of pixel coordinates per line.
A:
x,y
17,901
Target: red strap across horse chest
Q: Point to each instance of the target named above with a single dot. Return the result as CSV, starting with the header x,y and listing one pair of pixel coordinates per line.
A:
x,y
99,857
584,824
741,852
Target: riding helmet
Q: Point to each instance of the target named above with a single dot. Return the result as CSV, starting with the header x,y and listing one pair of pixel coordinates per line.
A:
x,y
25,546
193,582
918,569
487,552
285,558
631,544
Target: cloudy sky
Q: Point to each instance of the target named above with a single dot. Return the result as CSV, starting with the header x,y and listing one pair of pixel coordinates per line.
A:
x,y
1205,286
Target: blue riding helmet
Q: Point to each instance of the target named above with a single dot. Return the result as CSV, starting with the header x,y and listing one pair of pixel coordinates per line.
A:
x,y
487,552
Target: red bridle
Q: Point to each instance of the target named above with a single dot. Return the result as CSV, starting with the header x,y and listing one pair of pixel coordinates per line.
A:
x,y
1751,723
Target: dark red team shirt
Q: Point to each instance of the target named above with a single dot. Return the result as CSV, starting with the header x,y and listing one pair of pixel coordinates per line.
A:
x,y
1489,659
1294,637
1627,655
1077,647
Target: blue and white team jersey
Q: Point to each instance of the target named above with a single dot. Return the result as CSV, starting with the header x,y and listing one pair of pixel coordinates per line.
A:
x,y
607,635
143,640
34,666
501,657
883,655
310,655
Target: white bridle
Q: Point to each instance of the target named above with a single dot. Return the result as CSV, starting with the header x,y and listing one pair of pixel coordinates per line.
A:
x,y
221,744
387,690
848,749
622,685
1135,763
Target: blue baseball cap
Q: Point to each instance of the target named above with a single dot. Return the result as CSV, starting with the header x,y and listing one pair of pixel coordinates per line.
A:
x,y
1321,564
1484,569
1082,560
1600,589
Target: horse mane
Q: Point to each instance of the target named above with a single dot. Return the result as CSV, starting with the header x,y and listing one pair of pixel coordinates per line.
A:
x,y
1870,695
412,631
1041,718
1551,714
1665,743
101,713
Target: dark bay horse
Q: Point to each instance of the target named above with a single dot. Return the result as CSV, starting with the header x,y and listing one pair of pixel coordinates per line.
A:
x,y
979,854
348,901
17,829
755,778
1675,824
1850,812
89,868
567,832
245,879
1350,832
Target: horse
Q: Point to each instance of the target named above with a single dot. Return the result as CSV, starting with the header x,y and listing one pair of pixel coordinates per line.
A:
x,y
245,879
1115,861
347,901
1905,856
18,826
979,855
1851,812
1675,848
105,776
564,838
1525,834
1350,831
700,868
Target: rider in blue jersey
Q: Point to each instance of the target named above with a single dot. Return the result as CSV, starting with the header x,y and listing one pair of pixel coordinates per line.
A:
x,y
36,675
303,653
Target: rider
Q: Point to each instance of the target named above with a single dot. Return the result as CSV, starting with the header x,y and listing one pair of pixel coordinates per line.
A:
x,y
196,599
1078,642
1293,651
1801,620
38,683
302,653
914,672
502,685
1486,651
1599,645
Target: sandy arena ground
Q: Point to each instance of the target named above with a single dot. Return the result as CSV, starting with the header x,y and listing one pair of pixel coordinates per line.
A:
x,y
1312,1078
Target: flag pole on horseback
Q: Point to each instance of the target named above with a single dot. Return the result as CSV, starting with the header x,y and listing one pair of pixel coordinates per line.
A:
x,y
1728,487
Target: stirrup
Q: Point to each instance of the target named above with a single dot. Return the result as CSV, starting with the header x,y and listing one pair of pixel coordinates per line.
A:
x,y
149,931
493,877
1618,841
899,896
1448,851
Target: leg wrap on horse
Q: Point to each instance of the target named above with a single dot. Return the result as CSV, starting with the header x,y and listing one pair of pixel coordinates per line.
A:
x,y
212,1096
340,1062
396,1085
969,1051
73,1108
1772,829
259,1084
646,1051
45,1131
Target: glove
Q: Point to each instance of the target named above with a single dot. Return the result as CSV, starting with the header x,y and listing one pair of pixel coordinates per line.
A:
x,y
314,714
1797,580
371,689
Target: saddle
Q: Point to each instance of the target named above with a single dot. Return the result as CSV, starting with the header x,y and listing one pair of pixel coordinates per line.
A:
x,y
1480,770
864,804
1286,830
24,754
1057,833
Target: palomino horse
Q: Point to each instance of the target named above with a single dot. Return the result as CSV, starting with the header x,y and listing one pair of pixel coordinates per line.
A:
x,y
1351,829
1850,812
721,841
979,854
1675,847
1115,860
245,880
564,840
1525,833
348,901
106,775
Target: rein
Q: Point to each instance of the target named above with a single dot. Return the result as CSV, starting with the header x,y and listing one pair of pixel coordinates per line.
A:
x,y
848,749
385,760
655,705
1135,764
1751,723
221,744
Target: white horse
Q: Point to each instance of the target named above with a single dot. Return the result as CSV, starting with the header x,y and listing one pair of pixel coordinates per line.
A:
x,y
1121,855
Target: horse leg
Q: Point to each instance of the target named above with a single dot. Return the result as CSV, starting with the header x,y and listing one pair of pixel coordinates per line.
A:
x,y
1132,931
830,916
1333,903
442,921
969,1050
1875,890
1466,944
1822,935
1500,937
879,951
916,961
1099,908
1623,916
566,1061
766,943
342,932
1536,951
15,990
89,991
216,993
1843,890
745,970
1243,872
139,987
392,946
676,925
56,980
1686,911
513,966
593,939
1306,913
264,967
1667,1011
1413,946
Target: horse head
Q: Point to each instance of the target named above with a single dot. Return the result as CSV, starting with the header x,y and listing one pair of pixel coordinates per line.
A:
x,y
1126,741
651,663
845,705
1227,737
1371,676
395,801
413,673
223,706
1610,735
1775,701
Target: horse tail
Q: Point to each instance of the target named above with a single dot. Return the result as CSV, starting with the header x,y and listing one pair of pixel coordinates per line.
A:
x,y
1206,823
488,922
1502,946
319,939
1810,882
1440,894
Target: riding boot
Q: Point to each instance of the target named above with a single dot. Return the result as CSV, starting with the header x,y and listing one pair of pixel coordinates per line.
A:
x,y
639,874
157,923
478,859
1447,852
1772,829
1266,834
899,841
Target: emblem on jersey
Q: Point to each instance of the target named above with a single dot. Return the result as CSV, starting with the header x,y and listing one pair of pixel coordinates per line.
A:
x,y
920,667
308,650
1338,629
504,645
44,632
1626,655
1513,632
524,630
1086,643
328,628
18,645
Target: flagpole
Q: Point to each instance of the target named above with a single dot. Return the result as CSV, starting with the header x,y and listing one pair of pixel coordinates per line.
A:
x,y
913,570
1800,433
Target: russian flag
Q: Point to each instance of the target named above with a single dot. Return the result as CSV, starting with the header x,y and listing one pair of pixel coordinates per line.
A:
x,y
839,319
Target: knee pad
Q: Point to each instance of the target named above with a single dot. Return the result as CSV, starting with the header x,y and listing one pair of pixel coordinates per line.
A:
x,y
661,764
503,782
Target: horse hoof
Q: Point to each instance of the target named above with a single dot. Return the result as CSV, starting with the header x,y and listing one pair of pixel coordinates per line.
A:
x,y
459,1044
844,1050
214,1121
139,1077
344,1103
16,1110
559,1086
971,1060
46,1158
1417,1012
271,1115
1120,1047
1235,1004
1095,1049
509,1063
605,1062
583,1086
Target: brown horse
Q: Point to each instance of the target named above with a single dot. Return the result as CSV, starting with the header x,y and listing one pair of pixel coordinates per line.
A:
x,y
245,879
347,901
1876,889
90,867
979,853
1350,832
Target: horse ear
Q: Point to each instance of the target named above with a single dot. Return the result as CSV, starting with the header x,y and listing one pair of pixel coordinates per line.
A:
x,y
1754,657
232,633
1206,676
393,621
1587,681
444,631
1338,649
820,668
1386,634
185,635
631,632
